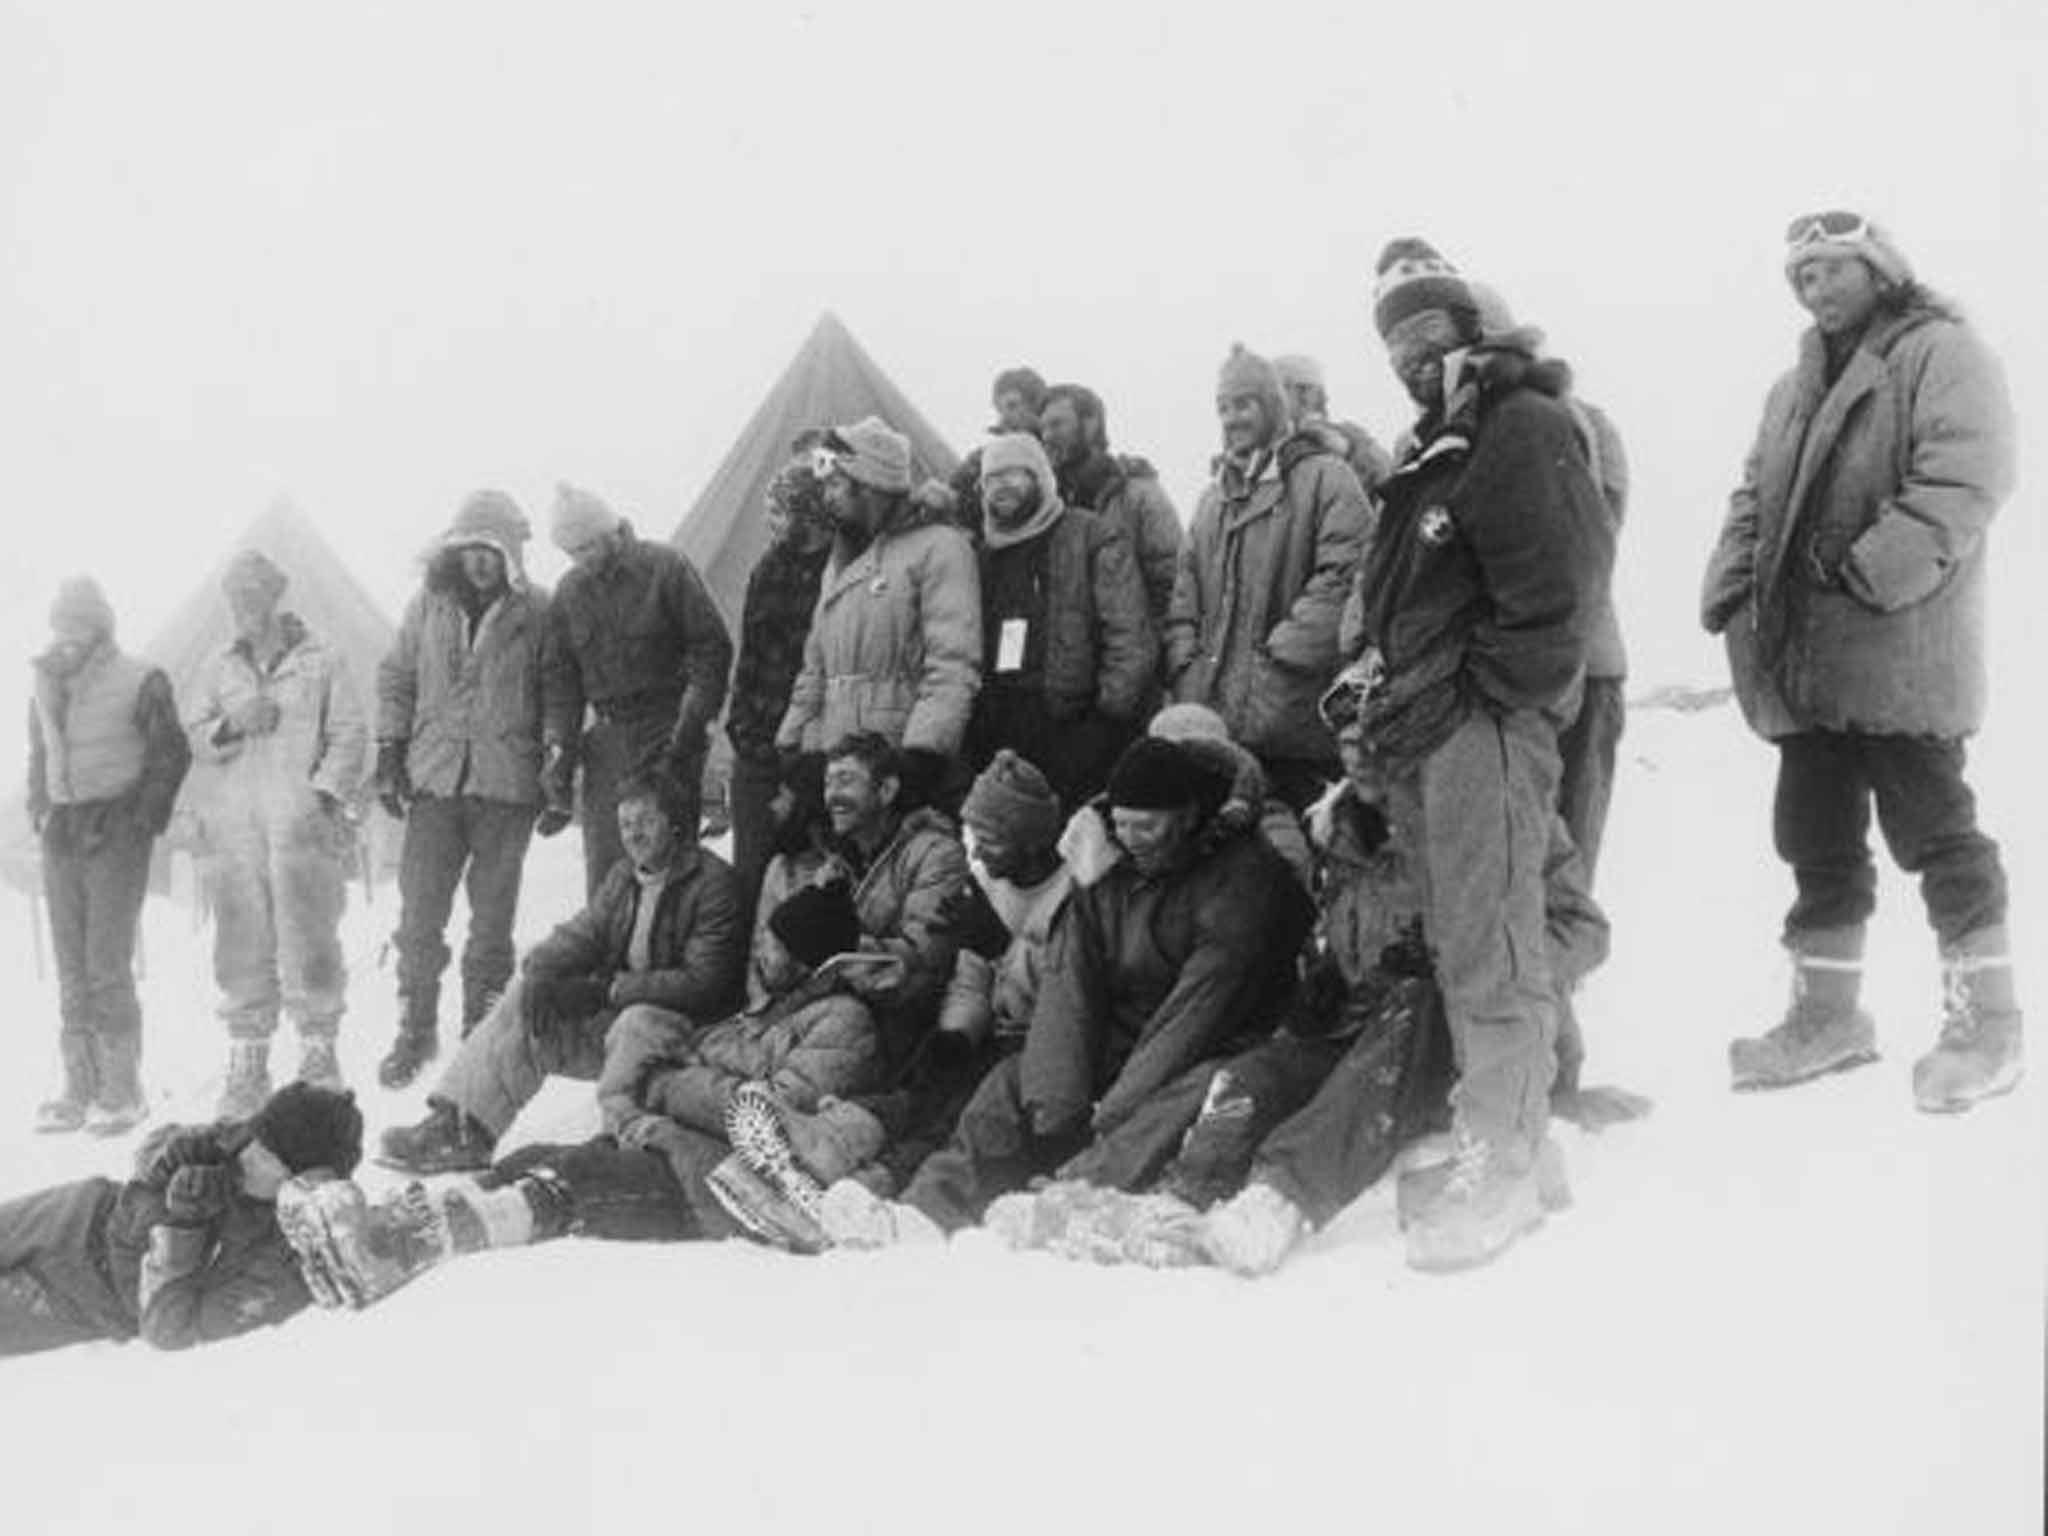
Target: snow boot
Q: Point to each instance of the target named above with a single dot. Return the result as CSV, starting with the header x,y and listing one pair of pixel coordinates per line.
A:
x,y
854,1216
1157,1230
447,1141
1490,1198
319,1066
1823,1030
1978,1055
353,1252
66,1112
1427,1166
1253,1232
56,1116
248,1080
763,1211
801,1154
409,1053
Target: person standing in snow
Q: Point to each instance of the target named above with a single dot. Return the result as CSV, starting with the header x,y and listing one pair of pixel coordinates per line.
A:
x,y
782,594
1262,582
1017,396
895,645
1068,647
665,928
645,648
106,755
278,715
186,1252
1474,609
460,701
1849,581
1122,488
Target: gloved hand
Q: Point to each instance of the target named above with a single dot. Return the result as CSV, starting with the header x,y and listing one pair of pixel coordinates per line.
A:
x,y
392,784
558,775
202,1146
974,921
553,819
200,1193
257,716
571,997
817,923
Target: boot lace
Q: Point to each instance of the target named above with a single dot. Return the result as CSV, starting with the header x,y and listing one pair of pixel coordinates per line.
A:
x,y
1469,1157
1958,1013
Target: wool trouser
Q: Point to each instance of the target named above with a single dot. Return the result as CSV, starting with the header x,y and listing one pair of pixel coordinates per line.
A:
x,y
1484,807
55,1288
95,901
482,845
277,888
1827,784
520,1043
615,749
619,1194
1586,750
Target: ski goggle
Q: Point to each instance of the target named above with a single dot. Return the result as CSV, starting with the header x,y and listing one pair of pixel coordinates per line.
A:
x,y
1837,225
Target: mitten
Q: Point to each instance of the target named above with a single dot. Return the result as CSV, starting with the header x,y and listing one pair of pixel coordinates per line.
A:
x,y
199,1193
974,921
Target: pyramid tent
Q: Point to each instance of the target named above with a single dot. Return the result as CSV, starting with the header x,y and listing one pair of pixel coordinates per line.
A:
x,y
323,592
830,381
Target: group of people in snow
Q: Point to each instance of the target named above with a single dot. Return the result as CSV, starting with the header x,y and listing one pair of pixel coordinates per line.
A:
x,y
1135,893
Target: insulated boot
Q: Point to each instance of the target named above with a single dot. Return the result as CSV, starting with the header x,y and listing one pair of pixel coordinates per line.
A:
x,y
1978,1055
802,1154
762,1210
1491,1197
319,1066
248,1080
854,1216
1823,1030
56,1116
1157,1230
1253,1232
353,1252
410,1052
1427,1167
447,1141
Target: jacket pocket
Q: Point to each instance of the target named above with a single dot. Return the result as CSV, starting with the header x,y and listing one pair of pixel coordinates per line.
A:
x,y
1895,564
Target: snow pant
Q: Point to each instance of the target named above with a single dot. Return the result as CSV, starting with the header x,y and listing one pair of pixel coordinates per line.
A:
x,y
1827,781
56,1287
481,844
521,1042
620,745
658,1062
618,1194
1320,1120
918,1116
95,902
1483,807
750,796
277,890
1586,751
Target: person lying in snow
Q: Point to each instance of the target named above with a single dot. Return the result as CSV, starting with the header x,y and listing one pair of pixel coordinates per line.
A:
x,y
1179,953
188,1251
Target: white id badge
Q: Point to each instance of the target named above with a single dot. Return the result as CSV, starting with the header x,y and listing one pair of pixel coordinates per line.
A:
x,y
1010,645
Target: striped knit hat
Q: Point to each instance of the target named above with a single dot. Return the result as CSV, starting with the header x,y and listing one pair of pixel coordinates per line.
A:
x,y
1411,278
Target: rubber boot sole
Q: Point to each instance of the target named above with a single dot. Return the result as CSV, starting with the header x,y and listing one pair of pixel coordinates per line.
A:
x,y
753,1125
1849,1061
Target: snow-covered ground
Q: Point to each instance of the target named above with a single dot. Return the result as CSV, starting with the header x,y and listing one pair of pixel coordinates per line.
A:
x,y
1814,1312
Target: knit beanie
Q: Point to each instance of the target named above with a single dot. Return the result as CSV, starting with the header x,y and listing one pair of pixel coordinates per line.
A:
x,y
81,603
1411,278
1028,382
490,518
308,1127
873,454
1011,795
253,571
1188,722
1156,775
1296,370
579,516
1244,372
1201,732
1844,233
1019,450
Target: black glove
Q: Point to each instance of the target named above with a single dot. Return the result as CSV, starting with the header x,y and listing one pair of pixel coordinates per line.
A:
x,y
558,776
553,819
817,923
571,997
202,1146
200,1193
392,785
974,921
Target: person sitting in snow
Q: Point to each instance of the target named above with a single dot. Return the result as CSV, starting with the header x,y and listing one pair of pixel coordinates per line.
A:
x,y
186,1252
852,951
1172,958
663,929
1003,916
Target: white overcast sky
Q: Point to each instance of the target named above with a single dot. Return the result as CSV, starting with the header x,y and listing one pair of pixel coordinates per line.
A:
x,y
375,255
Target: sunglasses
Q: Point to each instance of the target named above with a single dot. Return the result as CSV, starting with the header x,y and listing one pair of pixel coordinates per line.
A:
x,y
825,462
1821,228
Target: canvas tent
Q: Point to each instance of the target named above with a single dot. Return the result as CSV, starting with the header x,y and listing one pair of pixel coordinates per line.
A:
x,y
830,381
323,592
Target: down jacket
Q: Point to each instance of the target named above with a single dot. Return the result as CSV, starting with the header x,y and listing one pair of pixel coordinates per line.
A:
x,y
472,710
698,944
1148,978
1261,588
895,645
1099,652
1849,576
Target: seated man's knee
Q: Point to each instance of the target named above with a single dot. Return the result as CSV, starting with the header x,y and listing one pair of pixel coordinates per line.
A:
x,y
643,1024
